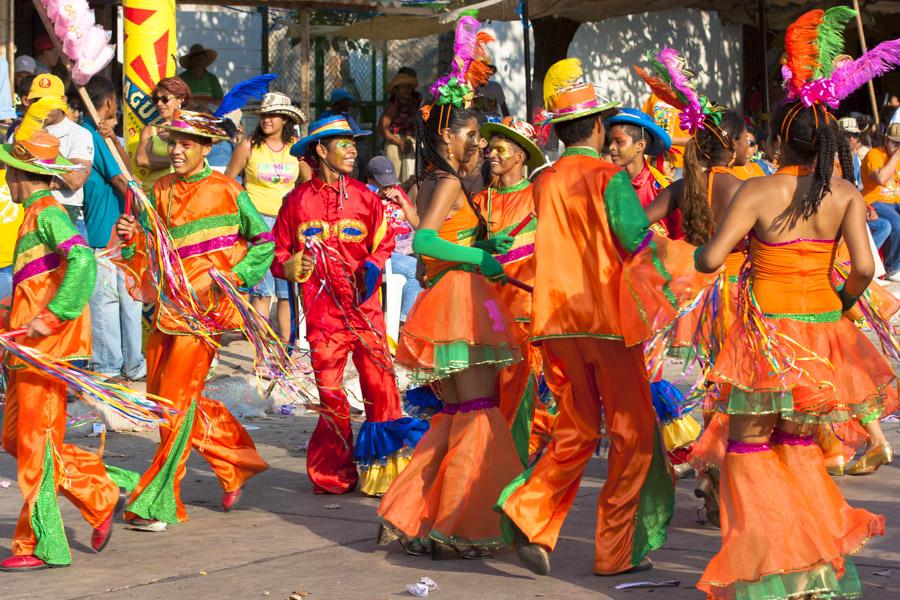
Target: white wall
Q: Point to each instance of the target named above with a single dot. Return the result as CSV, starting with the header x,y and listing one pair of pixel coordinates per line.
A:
x,y
236,34
609,48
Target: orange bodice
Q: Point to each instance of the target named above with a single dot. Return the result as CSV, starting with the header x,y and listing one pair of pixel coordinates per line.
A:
x,y
459,228
793,278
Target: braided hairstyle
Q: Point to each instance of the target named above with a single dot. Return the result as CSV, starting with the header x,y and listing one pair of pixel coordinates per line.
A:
x,y
428,155
707,148
809,135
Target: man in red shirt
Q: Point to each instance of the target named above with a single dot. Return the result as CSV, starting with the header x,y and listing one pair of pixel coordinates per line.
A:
x,y
332,237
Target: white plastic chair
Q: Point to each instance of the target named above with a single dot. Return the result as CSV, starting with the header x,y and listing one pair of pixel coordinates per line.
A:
x,y
393,302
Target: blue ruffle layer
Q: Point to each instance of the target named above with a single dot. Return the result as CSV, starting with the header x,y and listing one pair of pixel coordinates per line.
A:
x,y
668,401
376,441
420,402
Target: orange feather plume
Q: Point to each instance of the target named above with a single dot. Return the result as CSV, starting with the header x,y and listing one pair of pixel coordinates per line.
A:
x,y
659,87
802,48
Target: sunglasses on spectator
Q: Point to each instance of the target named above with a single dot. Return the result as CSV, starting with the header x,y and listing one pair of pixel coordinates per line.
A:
x,y
163,99
753,143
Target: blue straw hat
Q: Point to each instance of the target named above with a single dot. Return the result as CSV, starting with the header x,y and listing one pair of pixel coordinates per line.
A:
x,y
659,141
327,127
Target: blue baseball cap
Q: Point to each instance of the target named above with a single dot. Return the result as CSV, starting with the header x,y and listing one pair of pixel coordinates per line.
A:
x,y
659,142
340,94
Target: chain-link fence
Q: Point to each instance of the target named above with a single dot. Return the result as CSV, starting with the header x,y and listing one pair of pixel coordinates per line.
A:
x,y
362,67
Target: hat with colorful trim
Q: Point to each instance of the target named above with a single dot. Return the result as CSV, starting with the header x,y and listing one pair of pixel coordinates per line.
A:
x,y
197,124
327,127
659,141
567,96
519,131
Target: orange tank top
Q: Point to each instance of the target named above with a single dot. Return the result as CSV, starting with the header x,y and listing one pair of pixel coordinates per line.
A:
x,y
459,228
793,278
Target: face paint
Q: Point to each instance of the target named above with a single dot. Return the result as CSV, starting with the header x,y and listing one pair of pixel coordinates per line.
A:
x,y
340,155
502,155
186,155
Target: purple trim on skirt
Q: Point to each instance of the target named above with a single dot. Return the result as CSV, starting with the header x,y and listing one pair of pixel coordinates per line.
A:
x,y
470,406
790,439
747,447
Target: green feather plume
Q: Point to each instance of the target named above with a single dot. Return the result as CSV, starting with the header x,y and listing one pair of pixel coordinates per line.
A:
x,y
830,38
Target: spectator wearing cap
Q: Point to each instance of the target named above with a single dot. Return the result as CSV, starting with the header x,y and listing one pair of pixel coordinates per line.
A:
x,y
75,142
24,66
398,122
402,219
270,172
46,57
339,104
205,86
878,227
115,316
880,175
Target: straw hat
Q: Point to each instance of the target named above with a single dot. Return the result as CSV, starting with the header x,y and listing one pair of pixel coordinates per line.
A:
x,y
402,79
276,103
522,133
197,124
198,53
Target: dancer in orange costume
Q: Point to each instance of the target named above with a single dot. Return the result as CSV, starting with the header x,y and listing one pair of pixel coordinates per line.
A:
x,y
457,335
53,279
589,312
792,362
214,225
508,205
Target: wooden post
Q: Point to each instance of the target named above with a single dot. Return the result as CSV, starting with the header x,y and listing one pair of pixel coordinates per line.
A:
x,y
11,43
115,147
763,25
529,93
304,65
862,44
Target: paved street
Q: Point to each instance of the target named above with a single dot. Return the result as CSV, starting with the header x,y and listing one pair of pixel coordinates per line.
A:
x,y
284,540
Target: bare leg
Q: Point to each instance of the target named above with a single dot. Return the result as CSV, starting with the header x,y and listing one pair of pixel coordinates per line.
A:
x,y
283,318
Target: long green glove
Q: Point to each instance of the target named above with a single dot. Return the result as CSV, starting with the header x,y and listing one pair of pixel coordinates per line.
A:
x,y
498,244
429,243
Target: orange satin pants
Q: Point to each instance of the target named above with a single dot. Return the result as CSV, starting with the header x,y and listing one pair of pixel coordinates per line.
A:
x,y
592,380
177,366
512,383
35,408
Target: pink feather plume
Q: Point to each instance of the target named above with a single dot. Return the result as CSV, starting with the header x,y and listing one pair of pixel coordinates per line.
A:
x,y
464,46
852,75
692,115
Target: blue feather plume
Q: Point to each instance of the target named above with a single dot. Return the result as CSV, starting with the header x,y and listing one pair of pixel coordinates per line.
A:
x,y
244,92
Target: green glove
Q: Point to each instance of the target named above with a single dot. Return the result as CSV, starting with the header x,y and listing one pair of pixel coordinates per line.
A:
x,y
498,244
429,243
847,301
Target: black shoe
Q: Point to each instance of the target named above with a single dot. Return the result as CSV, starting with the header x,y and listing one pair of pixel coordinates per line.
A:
x,y
644,565
535,557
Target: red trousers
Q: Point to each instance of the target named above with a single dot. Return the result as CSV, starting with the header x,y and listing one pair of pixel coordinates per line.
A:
x,y
329,461
591,379
177,366
34,424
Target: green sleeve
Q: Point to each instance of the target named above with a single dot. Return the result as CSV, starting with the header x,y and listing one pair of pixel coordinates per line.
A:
x,y
429,243
77,286
623,210
256,262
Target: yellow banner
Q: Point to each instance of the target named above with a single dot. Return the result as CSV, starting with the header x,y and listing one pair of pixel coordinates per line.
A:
x,y
150,46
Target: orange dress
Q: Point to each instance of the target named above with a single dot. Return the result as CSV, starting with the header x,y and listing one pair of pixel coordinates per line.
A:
x,y
791,354
459,467
458,321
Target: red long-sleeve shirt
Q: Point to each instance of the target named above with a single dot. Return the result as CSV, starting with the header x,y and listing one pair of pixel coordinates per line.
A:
x,y
354,230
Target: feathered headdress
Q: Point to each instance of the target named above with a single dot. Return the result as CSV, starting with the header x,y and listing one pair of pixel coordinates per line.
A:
x,y
812,67
251,89
675,85
470,68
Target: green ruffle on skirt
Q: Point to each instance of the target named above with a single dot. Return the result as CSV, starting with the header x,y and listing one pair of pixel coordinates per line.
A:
x,y
453,357
820,582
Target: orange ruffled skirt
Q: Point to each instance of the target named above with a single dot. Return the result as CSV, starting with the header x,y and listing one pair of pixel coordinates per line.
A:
x,y
455,324
786,529
829,372
457,471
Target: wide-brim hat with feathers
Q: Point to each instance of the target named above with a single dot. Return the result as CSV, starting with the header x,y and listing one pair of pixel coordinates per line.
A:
x,y
197,124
